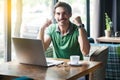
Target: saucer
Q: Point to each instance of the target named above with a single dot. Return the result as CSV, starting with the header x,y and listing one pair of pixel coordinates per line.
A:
x,y
79,64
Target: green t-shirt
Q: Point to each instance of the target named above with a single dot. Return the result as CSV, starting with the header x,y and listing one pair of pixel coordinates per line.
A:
x,y
67,45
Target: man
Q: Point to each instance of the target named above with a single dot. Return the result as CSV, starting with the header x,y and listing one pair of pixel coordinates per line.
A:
x,y
67,38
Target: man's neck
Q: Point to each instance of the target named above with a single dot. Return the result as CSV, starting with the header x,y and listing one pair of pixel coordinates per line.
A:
x,y
64,29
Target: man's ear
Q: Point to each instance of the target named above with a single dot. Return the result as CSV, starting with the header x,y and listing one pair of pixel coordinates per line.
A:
x,y
70,14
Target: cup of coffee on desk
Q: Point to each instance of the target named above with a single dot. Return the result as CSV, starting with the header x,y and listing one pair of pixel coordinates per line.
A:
x,y
74,59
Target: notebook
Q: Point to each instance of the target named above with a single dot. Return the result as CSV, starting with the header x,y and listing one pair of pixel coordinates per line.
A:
x,y
30,51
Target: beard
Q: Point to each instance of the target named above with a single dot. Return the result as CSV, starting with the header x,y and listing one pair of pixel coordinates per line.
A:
x,y
63,21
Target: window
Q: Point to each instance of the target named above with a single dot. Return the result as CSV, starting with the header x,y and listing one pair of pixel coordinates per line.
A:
x,y
2,30
27,17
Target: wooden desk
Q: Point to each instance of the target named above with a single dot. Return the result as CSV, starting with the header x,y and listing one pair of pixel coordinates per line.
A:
x,y
108,39
60,72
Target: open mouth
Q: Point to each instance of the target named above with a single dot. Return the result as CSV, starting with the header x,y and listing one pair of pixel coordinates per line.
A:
x,y
62,20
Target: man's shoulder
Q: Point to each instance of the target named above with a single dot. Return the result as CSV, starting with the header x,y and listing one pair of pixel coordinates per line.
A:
x,y
74,25
53,26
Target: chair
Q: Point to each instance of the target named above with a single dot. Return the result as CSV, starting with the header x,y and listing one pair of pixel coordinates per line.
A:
x,y
100,54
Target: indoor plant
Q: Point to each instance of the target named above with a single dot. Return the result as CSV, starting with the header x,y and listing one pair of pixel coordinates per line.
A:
x,y
108,24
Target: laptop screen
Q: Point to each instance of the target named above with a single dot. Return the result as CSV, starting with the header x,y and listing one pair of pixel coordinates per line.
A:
x,y
31,51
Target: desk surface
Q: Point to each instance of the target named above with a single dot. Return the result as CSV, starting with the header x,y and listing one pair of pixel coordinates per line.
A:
x,y
60,72
109,39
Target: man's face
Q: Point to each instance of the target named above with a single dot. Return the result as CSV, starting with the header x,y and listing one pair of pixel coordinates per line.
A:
x,y
62,16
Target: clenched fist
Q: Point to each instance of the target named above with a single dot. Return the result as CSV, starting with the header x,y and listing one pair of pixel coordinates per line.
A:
x,y
77,20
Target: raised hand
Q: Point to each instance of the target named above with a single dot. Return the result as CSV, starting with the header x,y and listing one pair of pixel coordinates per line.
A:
x,y
47,23
77,20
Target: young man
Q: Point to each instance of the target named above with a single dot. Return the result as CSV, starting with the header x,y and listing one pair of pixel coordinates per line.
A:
x,y
67,38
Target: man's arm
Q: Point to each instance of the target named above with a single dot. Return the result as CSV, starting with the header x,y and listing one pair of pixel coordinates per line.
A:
x,y
82,38
46,40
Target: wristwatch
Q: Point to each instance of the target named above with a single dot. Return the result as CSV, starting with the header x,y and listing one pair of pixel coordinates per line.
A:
x,y
81,25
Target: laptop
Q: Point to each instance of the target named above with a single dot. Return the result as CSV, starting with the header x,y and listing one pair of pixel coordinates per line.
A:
x,y
31,51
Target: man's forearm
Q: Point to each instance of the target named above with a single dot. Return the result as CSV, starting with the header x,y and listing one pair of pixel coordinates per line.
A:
x,y
83,41
41,35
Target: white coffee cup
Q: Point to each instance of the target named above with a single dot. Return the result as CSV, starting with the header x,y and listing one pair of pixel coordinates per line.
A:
x,y
74,59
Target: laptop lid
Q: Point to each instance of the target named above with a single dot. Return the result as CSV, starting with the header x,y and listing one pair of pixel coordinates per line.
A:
x,y
30,51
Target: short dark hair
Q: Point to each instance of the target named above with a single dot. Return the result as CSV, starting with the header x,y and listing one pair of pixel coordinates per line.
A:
x,y
63,4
